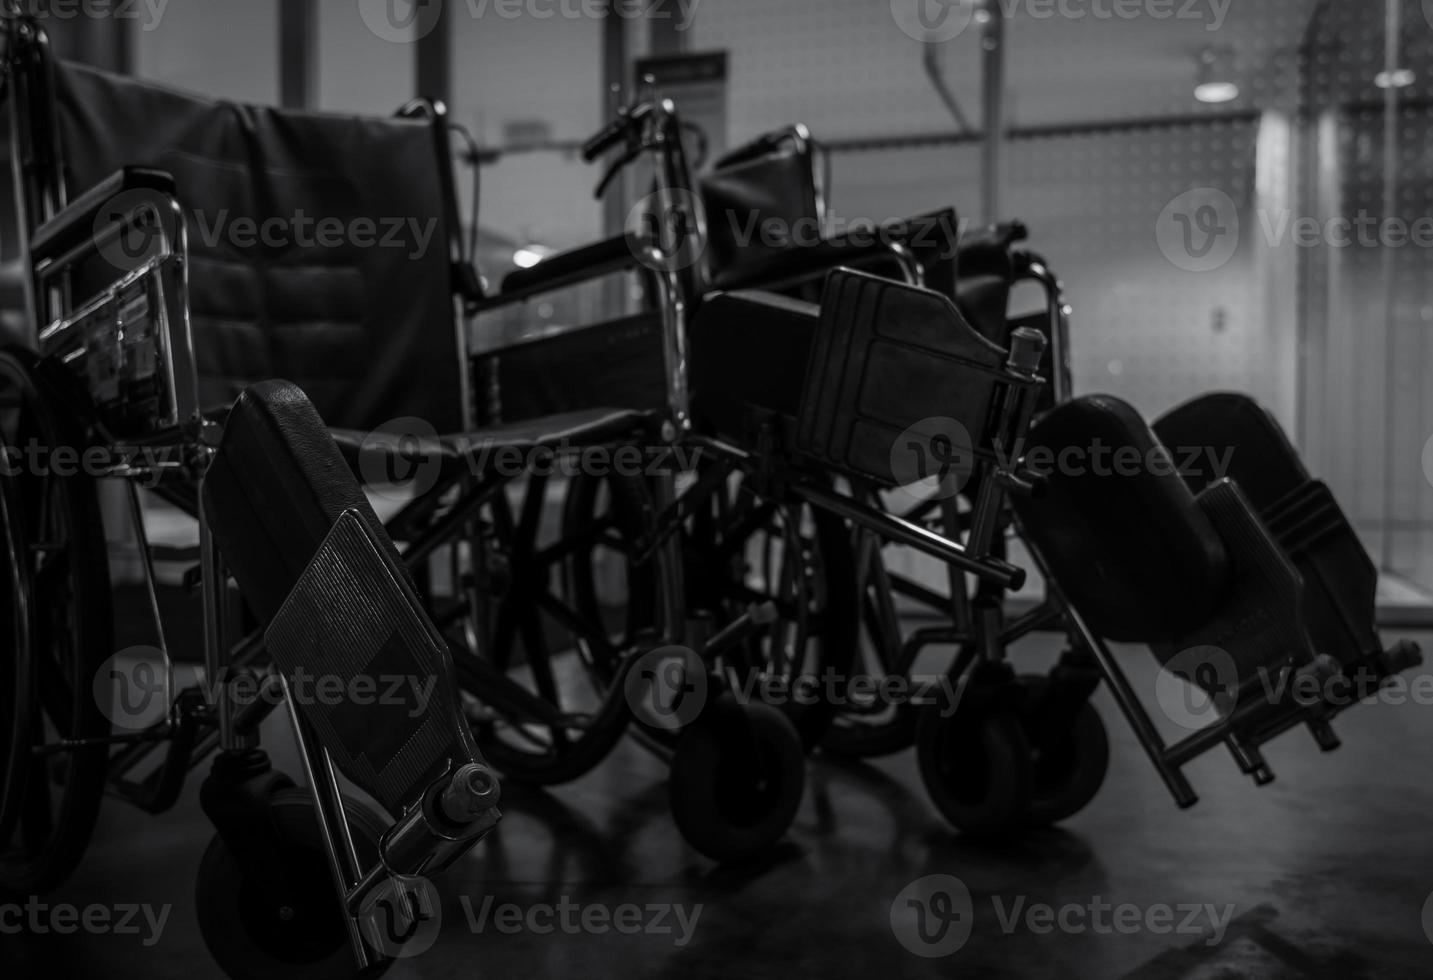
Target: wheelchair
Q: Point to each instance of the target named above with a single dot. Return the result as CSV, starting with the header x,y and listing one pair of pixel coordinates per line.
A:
x,y
149,342
298,880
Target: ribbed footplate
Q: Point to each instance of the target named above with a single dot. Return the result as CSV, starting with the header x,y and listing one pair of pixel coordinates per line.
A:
x,y
366,668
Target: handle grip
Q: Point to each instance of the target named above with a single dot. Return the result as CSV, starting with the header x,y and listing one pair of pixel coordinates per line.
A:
x,y
605,140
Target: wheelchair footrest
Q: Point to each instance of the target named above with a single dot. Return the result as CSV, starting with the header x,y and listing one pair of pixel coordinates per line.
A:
x,y
368,671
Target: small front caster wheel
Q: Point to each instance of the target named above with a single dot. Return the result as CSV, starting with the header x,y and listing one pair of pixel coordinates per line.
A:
x,y
976,766
1069,760
268,930
737,779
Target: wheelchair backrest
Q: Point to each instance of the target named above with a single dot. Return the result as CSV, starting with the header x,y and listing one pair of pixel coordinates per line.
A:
x,y
1119,531
320,246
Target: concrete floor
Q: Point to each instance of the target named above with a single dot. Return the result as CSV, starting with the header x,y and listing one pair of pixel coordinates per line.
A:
x,y
1323,874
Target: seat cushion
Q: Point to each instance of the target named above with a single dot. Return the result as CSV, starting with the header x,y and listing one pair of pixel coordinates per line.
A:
x,y
381,451
1127,542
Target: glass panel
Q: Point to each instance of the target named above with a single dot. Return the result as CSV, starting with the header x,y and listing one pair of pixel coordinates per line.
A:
x,y
216,47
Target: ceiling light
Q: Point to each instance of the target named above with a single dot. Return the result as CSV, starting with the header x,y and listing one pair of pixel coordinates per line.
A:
x,y
1215,92
1397,78
1215,75
530,255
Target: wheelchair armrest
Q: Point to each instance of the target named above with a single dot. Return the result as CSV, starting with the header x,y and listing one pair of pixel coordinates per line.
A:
x,y
76,221
804,262
572,266
1260,623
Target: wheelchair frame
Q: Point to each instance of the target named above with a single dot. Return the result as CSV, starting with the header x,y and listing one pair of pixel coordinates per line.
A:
x,y
58,235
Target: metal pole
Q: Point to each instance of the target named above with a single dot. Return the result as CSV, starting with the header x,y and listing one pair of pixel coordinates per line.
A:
x,y
433,60
298,41
992,45
1392,25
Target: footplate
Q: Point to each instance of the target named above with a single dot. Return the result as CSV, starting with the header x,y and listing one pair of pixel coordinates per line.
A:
x,y
367,670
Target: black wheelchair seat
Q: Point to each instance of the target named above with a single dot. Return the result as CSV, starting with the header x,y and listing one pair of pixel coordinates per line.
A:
x,y
1133,552
372,452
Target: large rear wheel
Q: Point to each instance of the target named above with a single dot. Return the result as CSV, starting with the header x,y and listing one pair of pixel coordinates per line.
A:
x,y
56,618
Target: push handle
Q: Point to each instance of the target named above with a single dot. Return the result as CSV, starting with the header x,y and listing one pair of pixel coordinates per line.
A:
x,y
609,137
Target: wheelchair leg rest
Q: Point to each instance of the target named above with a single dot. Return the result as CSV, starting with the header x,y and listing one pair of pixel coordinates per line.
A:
x,y
1170,771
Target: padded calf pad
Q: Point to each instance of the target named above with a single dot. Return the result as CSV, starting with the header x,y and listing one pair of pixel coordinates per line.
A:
x,y
1130,547
1341,580
1261,459
274,490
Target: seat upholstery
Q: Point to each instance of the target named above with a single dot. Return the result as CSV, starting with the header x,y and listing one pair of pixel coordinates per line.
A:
x,y
986,276
367,452
319,308
1130,546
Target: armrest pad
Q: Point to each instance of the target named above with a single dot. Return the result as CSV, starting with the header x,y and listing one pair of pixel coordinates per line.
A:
x,y
588,261
76,222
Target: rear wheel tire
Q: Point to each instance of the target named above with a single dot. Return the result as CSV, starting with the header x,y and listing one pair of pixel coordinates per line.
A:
x,y
62,633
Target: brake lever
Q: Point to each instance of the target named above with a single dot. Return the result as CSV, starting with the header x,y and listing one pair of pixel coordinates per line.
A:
x,y
630,154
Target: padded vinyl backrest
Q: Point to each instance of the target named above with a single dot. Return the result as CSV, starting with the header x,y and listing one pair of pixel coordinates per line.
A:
x,y
1127,542
368,332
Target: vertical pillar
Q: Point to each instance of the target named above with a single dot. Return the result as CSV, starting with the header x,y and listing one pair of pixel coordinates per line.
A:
x,y
298,53
992,45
